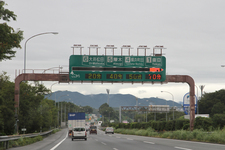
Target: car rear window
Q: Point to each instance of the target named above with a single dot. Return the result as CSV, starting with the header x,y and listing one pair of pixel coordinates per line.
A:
x,y
93,127
79,129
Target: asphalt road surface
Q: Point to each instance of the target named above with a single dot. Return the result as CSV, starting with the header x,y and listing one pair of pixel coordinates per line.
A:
x,y
102,141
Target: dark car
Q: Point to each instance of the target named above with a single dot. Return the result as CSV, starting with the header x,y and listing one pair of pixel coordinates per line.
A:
x,y
93,129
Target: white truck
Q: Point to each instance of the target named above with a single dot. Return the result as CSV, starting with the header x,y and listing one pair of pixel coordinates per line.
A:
x,y
76,119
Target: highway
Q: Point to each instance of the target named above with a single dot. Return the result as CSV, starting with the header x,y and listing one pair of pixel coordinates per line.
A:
x,y
102,141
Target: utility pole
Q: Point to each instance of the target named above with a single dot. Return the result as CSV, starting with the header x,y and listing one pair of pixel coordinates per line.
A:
x,y
201,88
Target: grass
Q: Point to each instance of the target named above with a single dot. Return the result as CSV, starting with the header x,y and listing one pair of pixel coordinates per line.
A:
x,y
217,136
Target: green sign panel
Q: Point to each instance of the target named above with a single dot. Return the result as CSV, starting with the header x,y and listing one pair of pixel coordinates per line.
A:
x,y
117,68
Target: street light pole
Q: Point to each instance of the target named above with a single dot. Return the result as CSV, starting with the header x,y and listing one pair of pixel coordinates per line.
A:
x,y
61,109
107,90
197,99
26,44
173,101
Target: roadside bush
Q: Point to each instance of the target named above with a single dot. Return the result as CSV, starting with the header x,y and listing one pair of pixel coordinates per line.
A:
x,y
217,136
55,130
141,132
166,135
186,126
202,122
170,125
162,125
196,132
180,123
24,141
219,121
151,132
200,136
104,124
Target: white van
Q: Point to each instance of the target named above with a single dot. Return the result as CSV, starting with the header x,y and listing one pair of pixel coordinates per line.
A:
x,y
79,133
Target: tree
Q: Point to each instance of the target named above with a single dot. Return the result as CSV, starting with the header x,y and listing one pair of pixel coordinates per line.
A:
x,y
9,38
103,109
107,111
33,107
88,109
34,110
218,108
208,101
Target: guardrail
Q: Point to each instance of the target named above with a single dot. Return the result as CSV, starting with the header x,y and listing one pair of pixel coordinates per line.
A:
x,y
6,139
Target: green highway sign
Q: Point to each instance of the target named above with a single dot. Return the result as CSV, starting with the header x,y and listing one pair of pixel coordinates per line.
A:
x,y
117,68
117,61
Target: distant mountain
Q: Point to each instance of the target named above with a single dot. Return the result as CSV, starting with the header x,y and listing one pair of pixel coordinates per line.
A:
x,y
115,100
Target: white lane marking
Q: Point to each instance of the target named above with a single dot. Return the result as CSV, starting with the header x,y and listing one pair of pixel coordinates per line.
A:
x,y
191,142
103,143
118,137
182,148
148,142
129,139
59,142
115,148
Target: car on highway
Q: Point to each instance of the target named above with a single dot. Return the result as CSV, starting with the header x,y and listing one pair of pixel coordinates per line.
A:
x,y
109,130
79,133
93,129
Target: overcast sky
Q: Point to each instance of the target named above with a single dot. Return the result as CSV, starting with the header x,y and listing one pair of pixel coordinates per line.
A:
x,y
192,31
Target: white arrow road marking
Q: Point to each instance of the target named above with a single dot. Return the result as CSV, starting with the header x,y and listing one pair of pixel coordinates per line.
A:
x,y
182,148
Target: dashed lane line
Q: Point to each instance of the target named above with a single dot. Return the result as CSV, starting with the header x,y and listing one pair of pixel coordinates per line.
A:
x,y
129,139
182,148
148,142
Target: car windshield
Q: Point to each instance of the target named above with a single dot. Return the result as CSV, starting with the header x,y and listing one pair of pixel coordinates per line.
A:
x,y
93,127
79,129
110,128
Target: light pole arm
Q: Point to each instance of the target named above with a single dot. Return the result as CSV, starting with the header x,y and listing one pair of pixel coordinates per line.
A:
x,y
26,44
169,93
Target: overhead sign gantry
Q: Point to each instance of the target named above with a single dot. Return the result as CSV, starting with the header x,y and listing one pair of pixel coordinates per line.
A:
x,y
113,68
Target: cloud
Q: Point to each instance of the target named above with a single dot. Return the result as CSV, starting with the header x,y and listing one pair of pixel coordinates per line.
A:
x,y
141,91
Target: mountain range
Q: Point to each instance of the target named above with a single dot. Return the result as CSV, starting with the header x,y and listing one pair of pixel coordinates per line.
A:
x,y
115,100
